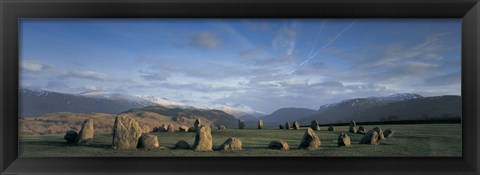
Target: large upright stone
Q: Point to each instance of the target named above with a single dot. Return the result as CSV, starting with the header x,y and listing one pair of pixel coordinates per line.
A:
x,y
86,133
203,139
231,144
314,125
287,125
197,123
241,124
344,140
126,133
353,127
388,132
280,126
310,140
148,142
260,124
296,125
146,129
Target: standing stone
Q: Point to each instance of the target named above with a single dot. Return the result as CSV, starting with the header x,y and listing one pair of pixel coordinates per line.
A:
x,y
362,130
203,139
331,128
231,144
86,133
192,129
146,129
296,125
287,125
280,126
260,124
278,144
197,123
170,128
148,142
344,140
353,127
379,132
126,133
241,124
71,136
388,132
183,129
370,137
221,127
182,144
314,125
310,140
162,128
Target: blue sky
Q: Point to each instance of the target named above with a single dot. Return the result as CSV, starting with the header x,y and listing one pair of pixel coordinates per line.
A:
x,y
263,63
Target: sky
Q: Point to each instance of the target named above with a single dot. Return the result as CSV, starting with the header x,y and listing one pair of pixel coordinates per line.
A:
x,y
266,64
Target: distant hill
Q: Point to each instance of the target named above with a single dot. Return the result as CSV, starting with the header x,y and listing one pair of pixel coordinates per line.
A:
x,y
247,118
413,107
218,117
288,115
153,116
43,102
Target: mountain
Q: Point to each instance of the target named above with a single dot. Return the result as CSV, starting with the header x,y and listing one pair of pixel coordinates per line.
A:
x,y
217,117
394,107
37,102
247,118
236,110
371,101
33,102
284,115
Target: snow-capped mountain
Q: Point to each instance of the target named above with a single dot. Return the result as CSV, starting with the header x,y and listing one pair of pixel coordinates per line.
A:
x,y
236,110
377,101
108,102
402,106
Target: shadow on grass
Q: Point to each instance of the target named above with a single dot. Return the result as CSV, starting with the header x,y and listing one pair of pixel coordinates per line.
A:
x,y
48,143
65,144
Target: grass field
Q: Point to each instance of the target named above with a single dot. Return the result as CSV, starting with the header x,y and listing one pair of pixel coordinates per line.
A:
x,y
410,140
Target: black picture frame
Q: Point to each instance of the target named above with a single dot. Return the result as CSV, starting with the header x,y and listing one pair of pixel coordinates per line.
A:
x,y
12,10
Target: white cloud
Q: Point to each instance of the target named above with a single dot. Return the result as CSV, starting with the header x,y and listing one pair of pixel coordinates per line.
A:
x,y
284,40
33,66
205,40
92,75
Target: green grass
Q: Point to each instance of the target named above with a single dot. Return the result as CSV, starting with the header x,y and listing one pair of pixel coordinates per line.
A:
x,y
410,140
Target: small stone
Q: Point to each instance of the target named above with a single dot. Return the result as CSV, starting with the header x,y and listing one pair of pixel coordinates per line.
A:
x,y
182,144
231,144
278,144
71,136
148,142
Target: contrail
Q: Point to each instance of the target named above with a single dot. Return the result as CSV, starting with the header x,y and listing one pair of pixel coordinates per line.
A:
x,y
328,43
316,40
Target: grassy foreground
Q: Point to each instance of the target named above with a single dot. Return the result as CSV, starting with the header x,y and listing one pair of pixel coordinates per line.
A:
x,y
409,140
